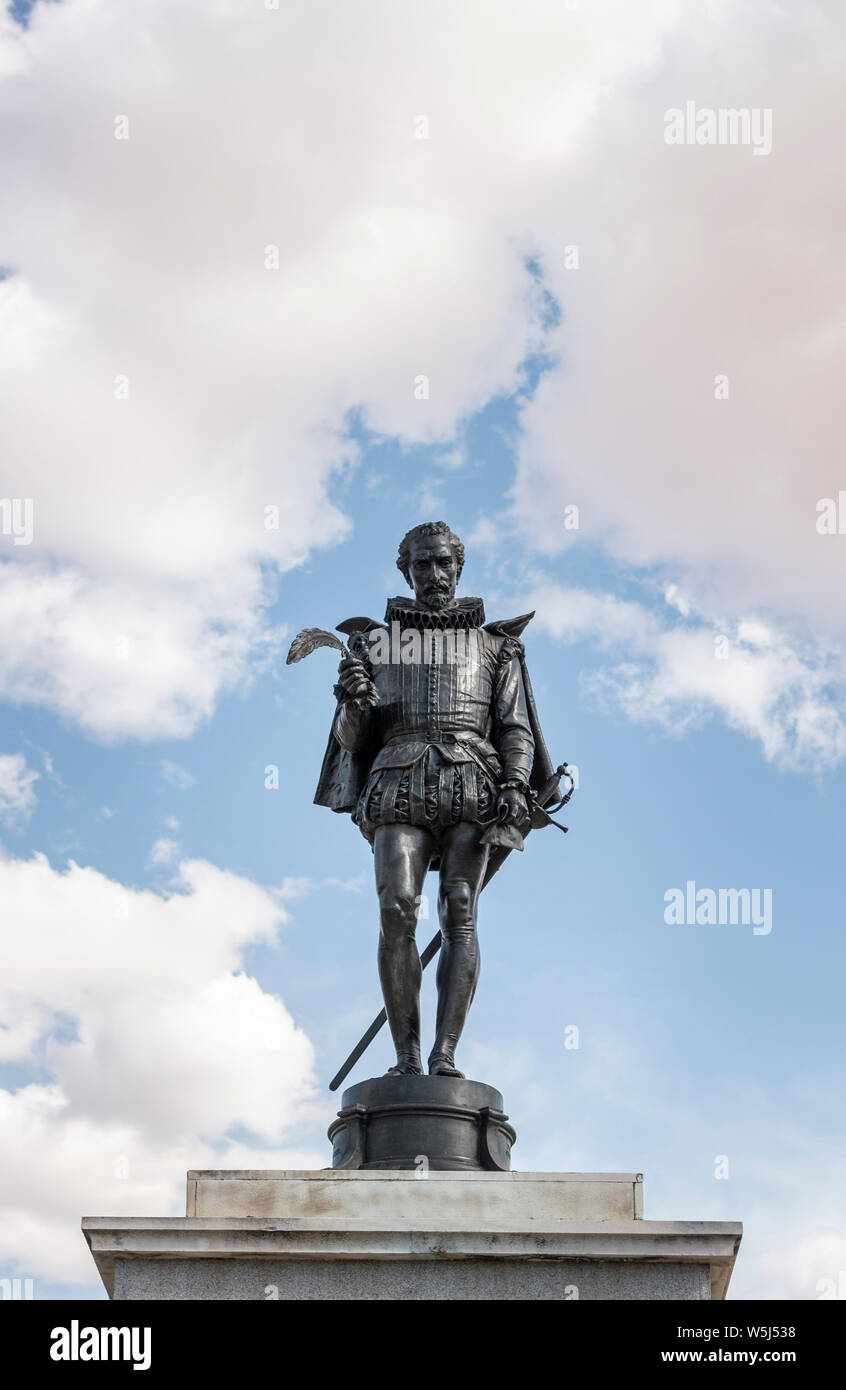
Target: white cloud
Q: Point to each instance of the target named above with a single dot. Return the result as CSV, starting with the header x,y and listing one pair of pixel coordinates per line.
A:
x,y
697,262
141,270
141,986
17,797
485,535
164,851
57,1168
127,659
349,885
675,675
810,1266
176,776
293,886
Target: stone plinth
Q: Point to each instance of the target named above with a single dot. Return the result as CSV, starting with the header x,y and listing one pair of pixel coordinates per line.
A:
x,y
470,1199
373,1235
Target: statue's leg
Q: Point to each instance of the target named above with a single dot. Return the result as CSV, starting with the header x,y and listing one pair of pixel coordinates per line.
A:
x,y
402,854
463,863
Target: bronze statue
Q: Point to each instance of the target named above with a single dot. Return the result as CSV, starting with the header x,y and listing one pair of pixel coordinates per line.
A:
x,y
437,754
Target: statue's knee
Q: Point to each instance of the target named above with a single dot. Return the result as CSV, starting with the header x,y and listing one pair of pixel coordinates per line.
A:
x,y
457,907
398,912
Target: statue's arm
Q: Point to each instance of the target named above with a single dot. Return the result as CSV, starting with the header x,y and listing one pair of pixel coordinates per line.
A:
x,y
352,723
512,730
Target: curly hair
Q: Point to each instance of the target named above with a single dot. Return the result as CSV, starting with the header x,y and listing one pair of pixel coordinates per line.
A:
x,y
428,528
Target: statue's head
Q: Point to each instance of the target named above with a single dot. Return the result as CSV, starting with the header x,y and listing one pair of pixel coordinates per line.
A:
x,y
431,557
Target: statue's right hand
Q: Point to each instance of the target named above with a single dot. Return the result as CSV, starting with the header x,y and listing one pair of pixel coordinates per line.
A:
x,y
353,677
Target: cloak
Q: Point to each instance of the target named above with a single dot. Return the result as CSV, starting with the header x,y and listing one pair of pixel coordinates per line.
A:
x,y
343,774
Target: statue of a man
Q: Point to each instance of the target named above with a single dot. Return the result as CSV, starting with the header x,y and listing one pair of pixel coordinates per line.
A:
x,y
434,741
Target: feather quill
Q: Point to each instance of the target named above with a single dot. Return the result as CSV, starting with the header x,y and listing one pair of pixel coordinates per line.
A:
x,y
309,640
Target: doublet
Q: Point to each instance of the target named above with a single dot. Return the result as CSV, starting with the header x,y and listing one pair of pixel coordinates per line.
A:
x,y
451,721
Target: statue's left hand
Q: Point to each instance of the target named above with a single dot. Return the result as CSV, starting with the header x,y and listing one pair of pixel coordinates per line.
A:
x,y
512,807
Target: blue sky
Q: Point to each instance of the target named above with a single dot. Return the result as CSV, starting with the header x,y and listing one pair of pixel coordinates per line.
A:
x,y
145,690
712,1026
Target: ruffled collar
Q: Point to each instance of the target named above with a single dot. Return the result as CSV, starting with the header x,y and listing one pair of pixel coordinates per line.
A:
x,y
462,613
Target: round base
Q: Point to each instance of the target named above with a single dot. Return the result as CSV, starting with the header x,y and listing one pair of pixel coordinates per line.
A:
x,y
420,1123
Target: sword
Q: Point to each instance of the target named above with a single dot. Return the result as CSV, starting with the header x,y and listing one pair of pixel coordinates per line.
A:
x,y
546,794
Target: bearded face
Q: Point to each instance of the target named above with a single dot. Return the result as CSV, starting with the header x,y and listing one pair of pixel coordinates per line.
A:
x,y
434,571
